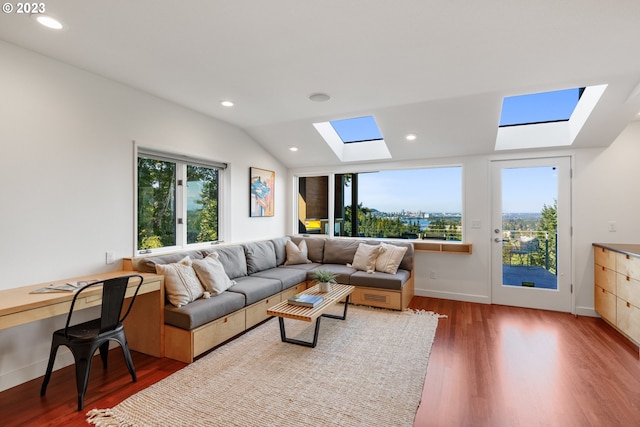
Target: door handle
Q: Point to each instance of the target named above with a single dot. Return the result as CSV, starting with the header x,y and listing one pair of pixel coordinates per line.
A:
x,y
497,240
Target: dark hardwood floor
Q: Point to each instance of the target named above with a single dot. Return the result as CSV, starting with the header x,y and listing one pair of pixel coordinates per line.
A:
x,y
490,366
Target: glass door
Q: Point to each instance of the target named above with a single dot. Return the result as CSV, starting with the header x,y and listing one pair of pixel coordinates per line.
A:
x,y
531,233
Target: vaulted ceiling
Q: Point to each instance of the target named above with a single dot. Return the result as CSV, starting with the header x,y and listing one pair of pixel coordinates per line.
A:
x,y
437,69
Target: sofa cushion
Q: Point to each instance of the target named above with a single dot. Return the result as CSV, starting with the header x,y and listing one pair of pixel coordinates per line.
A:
x,y
232,259
297,254
365,257
260,256
203,311
288,276
148,264
342,272
380,280
256,288
340,251
315,246
279,248
211,274
390,258
181,283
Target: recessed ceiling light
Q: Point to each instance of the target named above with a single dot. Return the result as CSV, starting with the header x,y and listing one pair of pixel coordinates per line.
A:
x,y
411,137
47,21
226,103
293,148
319,97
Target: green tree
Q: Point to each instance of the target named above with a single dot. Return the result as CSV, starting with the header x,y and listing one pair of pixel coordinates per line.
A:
x,y
156,203
547,230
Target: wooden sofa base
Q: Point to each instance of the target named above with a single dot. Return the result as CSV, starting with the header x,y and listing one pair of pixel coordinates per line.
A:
x,y
384,298
185,345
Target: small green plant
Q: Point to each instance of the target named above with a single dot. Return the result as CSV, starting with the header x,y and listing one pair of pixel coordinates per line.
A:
x,y
324,276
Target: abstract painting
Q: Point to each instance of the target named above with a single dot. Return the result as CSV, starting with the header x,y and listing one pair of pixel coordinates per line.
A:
x,y
262,185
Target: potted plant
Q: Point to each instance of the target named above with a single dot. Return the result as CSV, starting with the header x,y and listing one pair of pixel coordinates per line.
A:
x,y
324,279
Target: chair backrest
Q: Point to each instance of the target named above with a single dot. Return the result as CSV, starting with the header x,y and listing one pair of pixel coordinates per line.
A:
x,y
113,294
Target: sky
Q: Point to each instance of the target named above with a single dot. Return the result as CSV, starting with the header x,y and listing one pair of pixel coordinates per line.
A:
x,y
539,107
528,189
525,190
429,190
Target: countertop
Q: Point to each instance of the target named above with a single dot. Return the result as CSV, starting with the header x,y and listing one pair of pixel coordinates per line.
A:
x,y
623,248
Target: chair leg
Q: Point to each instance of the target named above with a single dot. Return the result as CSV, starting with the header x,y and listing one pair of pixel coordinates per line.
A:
x,y
104,353
83,358
129,360
47,375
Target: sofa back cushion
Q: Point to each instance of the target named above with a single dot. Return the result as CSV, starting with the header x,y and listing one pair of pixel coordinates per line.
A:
x,y
279,245
340,251
260,256
148,264
315,247
232,259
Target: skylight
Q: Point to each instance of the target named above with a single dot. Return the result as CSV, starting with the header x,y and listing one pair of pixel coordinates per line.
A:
x,y
543,107
358,129
355,139
549,119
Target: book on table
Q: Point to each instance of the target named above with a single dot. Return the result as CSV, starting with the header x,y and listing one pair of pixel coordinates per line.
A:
x,y
305,300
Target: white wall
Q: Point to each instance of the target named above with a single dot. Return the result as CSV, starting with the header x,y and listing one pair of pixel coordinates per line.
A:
x,y
66,180
604,188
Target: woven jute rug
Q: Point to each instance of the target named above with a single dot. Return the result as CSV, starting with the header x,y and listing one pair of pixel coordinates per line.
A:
x,y
367,370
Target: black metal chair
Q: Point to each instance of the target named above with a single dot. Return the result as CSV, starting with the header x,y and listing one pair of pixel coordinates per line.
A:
x,y
85,338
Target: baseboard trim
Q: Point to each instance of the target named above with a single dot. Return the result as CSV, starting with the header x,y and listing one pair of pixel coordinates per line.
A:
x,y
481,299
586,311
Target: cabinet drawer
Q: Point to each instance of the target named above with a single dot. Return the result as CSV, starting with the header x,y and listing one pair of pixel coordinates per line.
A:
x,y
257,312
605,304
605,278
628,289
605,257
628,320
217,332
628,265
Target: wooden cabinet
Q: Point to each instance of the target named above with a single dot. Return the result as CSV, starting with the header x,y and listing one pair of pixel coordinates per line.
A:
x,y
617,287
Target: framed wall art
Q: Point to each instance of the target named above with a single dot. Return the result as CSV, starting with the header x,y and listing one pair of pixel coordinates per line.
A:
x,y
261,188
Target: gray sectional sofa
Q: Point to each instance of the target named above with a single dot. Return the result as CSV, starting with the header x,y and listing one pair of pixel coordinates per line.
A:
x,y
262,278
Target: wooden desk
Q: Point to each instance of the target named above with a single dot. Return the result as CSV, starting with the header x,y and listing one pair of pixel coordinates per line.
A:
x,y
144,325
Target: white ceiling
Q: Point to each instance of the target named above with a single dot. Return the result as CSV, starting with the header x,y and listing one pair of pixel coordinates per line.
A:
x,y
438,69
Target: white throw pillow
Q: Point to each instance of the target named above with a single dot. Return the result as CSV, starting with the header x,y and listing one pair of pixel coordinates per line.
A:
x,y
365,257
390,258
212,275
297,254
180,282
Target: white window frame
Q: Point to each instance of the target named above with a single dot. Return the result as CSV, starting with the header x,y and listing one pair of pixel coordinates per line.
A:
x,y
331,194
181,162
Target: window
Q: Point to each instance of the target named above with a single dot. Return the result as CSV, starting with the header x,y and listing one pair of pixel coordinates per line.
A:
x,y
178,201
421,203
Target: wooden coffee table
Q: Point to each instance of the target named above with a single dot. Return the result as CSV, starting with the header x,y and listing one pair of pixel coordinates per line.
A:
x,y
308,314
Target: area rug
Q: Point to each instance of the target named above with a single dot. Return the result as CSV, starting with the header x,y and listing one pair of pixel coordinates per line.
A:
x,y
367,370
